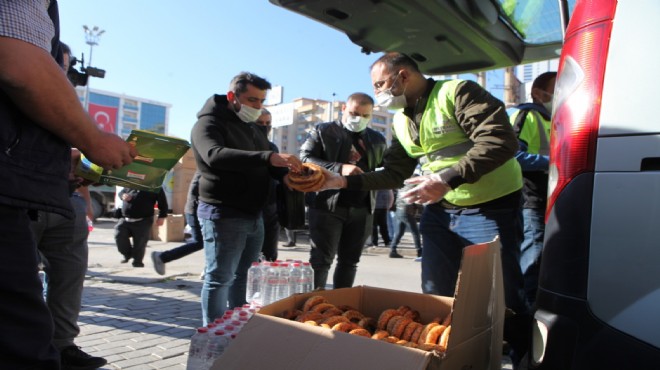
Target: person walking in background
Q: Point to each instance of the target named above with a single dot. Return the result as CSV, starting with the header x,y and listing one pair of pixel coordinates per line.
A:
x,y
195,243
271,223
471,184
136,222
405,217
236,163
340,221
290,238
384,202
531,122
41,118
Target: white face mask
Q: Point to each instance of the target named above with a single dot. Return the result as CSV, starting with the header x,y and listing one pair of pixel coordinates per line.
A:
x,y
248,114
356,123
388,100
548,106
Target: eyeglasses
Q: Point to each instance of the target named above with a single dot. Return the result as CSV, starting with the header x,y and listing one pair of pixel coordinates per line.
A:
x,y
378,85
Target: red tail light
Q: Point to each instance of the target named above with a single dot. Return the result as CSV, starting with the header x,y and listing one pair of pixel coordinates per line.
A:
x,y
578,93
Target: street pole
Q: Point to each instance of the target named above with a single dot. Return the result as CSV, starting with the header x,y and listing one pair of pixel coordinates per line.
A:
x,y
92,36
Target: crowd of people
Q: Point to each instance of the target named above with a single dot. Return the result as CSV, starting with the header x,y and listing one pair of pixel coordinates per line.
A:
x,y
481,175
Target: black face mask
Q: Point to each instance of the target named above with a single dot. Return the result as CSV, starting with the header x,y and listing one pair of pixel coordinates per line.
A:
x,y
264,129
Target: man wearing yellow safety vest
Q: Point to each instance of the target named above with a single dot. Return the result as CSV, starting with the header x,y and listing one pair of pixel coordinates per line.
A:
x,y
471,183
531,122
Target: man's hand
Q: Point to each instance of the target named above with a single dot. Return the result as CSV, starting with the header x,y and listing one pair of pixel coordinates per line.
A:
x,y
160,221
286,160
109,151
350,169
333,180
430,189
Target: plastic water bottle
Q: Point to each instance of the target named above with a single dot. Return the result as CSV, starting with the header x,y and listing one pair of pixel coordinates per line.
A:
x,y
307,278
197,350
90,224
254,281
272,284
295,278
215,347
44,283
284,281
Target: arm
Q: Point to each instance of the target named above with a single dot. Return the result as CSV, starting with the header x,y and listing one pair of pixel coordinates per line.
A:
x,y
35,83
84,192
162,207
485,121
531,162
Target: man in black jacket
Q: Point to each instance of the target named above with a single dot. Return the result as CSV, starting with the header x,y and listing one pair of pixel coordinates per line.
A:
x,y
341,220
136,222
236,163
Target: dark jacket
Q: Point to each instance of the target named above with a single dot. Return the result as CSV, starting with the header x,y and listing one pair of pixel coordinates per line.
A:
x,y
329,145
193,195
233,158
34,163
142,203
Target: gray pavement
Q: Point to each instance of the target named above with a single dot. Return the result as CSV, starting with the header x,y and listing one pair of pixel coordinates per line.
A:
x,y
138,319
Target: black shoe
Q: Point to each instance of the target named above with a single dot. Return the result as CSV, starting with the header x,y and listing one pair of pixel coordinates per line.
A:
x,y
138,264
394,254
125,260
73,358
289,244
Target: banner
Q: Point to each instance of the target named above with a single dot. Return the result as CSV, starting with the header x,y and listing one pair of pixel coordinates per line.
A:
x,y
104,116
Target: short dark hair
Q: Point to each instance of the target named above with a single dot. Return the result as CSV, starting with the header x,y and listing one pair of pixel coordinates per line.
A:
x,y
241,81
543,80
394,60
361,98
65,48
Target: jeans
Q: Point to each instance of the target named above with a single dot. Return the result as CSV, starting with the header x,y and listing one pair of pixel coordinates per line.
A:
x,y
404,219
63,246
196,244
230,247
530,250
445,234
26,324
380,224
341,233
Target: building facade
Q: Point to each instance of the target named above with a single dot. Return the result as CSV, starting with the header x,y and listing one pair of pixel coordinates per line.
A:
x,y
291,121
119,113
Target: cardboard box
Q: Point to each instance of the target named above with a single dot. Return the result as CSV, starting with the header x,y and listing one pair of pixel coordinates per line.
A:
x,y
270,342
170,231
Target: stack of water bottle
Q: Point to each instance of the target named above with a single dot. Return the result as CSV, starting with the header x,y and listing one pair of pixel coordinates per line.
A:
x,y
209,342
268,282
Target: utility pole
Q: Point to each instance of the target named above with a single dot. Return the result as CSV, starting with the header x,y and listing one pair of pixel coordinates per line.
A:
x,y
92,39
511,88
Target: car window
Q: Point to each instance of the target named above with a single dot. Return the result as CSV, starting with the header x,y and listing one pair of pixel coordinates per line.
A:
x,y
538,22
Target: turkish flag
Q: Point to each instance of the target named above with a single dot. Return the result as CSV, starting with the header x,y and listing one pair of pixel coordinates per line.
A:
x,y
104,116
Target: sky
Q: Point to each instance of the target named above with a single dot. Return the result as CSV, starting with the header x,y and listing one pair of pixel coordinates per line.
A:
x,y
182,52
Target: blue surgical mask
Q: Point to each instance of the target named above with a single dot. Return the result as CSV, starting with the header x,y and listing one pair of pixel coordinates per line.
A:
x,y
388,100
248,114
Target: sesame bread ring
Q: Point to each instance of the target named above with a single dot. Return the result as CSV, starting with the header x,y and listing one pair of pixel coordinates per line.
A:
x,y
400,327
413,315
417,333
434,334
385,317
354,315
393,321
307,316
410,329
427,329
361,332
333,311
368,323
380,334
313,301
345,326
310,179
447,320
431,347
403,309
322,307
444,338
334,320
